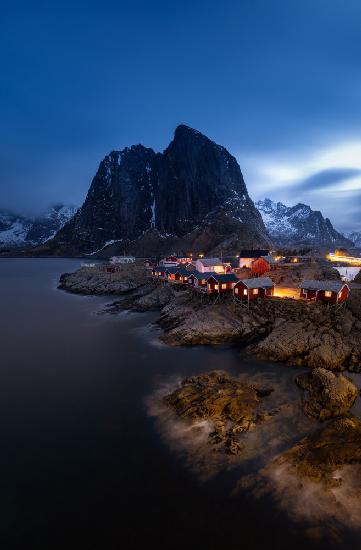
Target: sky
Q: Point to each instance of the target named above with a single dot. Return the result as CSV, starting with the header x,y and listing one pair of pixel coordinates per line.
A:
x,y
277,82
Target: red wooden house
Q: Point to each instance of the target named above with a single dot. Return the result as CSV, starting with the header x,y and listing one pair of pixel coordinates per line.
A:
x,y
333,292
263,265
220,283
197,280
251,289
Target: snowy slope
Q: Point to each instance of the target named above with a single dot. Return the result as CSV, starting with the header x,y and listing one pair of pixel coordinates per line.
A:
x,y
299,225
355,237
18,231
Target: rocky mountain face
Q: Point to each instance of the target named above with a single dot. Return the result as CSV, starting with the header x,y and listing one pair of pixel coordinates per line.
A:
x,y
191,197
355,237
299,225
22,232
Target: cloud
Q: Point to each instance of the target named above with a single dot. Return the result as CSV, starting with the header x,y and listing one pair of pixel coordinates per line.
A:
x,y
331,177
328,179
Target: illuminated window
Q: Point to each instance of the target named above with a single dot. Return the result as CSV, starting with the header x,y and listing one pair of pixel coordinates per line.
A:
x,y
216,286
236,290
224,286
328,294
255,291
245,292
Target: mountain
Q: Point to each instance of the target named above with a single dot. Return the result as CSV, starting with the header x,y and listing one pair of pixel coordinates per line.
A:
x,y
191,197
355,237
299,225
18,231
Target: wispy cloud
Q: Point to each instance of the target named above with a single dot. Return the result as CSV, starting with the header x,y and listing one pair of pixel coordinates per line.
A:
x,y
329,179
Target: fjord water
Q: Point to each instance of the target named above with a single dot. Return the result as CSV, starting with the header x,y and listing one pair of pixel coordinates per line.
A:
x,y
82,463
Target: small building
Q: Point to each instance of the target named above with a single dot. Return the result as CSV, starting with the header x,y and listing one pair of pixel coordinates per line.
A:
x,y
246,257
159,272
148,263
169,261
251,289
205,265
334,292
263,265
177,275
220,283
197,280
122,260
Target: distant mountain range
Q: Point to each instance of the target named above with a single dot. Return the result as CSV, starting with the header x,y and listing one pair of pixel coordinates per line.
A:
x,y
191,197
19,232
355,237
299,225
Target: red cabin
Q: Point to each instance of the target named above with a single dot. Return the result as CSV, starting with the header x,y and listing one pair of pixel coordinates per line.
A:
x,y
262,265
251,289
332,292
220,284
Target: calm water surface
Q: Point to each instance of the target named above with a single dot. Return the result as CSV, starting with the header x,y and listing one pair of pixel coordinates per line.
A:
x,y
81,461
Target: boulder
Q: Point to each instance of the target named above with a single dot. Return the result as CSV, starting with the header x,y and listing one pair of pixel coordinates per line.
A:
x,y
327,395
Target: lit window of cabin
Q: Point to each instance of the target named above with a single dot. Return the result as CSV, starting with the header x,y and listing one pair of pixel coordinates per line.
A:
x,y
216,286
328,293
236,290
255,291
245,292
224,286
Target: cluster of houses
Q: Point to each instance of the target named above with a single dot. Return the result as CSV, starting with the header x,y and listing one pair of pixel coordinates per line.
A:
x,y
212,276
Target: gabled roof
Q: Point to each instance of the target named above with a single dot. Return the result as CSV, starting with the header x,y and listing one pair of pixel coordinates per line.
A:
x,y
253,253
333,286
269,259
224,277
210,261
199,275
258,282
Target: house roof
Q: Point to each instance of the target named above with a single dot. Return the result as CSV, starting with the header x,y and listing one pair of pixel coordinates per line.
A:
x,y
258,282
223,277
269,259
333,286
253,253
234,262
210,261
199,275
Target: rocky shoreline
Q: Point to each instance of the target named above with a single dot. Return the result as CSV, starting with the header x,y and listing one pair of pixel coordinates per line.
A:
x,y
296,333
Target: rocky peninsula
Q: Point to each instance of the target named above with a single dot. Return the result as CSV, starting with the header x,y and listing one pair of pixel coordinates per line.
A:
x,y
294,332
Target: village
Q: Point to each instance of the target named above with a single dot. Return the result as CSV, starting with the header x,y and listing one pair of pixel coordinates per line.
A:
x,y
251,275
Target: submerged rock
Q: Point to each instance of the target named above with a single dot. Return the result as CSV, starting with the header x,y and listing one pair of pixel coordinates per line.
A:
x,y
317,456
326,394
230,405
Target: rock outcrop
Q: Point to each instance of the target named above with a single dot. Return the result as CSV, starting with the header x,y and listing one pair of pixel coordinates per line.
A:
x,y
317,456
230,405
327,395
190,197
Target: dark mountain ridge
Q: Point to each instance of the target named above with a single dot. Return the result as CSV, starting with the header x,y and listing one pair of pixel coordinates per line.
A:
x,y
191,197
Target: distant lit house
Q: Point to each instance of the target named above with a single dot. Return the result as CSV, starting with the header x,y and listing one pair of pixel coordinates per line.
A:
x,y
334,292
246,257
169,261
262,265
205,265
251,289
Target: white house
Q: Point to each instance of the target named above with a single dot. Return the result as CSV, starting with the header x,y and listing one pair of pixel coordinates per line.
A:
x,y
207,265
122,260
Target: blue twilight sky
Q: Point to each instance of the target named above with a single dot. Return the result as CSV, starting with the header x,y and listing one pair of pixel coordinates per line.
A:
x,y
278,82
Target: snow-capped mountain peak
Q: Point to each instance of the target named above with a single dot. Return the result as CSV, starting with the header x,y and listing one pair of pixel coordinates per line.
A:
x,y
299,225
17,231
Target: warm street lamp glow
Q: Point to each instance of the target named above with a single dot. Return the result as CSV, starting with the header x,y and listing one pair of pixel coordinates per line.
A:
x,y
349,260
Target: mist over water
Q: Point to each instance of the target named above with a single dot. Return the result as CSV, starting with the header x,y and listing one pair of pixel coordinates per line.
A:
x,y
88,459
